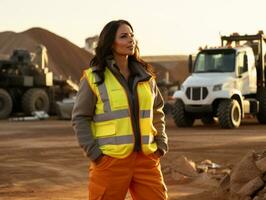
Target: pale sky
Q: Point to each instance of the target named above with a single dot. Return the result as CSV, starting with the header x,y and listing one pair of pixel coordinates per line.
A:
x,y
162,27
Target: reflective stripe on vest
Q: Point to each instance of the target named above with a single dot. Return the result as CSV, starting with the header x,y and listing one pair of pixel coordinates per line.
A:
x,y
104,97
123,140
112,124
118,114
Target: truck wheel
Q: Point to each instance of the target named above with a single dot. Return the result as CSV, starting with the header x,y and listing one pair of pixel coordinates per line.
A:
x,y
208,120
34,100
261,116
229,113
181,118
6,104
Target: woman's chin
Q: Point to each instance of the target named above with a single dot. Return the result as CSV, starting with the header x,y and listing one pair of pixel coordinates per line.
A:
x,y
131,53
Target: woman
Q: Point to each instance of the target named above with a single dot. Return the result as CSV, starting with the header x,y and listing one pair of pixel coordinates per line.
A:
x,y
118,120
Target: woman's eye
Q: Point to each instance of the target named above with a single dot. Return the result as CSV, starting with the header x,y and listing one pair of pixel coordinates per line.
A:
x,y
127,35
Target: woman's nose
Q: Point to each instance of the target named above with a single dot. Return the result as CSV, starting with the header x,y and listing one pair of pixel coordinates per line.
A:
x,y
131,39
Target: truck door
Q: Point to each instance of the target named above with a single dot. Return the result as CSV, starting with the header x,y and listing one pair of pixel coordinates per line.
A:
x,y
242,83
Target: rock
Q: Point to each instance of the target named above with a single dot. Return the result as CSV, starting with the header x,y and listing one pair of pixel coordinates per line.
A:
x,y
246,198
206,162
263,191
226,171
183,166
225,183
206,166
234,196
262,194
206,180
264,178
251,187
245,171
202,168
261,164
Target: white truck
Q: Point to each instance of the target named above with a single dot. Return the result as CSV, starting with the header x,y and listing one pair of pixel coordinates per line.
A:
x,y
226,82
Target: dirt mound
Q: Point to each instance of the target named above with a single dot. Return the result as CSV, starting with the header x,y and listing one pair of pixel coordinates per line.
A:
x,y
68,60
65,59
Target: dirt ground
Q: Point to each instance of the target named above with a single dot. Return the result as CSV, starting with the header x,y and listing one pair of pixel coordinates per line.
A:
x,y
41,159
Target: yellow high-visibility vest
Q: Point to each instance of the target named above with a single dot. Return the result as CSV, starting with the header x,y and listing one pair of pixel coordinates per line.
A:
x,y
112,123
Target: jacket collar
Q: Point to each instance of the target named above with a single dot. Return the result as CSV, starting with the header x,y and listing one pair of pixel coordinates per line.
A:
x,y
135,68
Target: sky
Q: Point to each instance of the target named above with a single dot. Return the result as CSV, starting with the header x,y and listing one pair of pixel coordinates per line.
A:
x,y
162,27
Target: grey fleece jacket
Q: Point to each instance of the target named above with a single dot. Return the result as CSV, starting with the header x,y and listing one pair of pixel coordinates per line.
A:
x,y
84,108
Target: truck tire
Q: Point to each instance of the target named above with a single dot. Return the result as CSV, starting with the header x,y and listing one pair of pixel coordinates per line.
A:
x,y
181,118
229,113
208,120
167,109
35,100
261,116
6,104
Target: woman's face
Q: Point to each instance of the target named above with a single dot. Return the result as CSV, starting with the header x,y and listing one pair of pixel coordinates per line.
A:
x,y
124,43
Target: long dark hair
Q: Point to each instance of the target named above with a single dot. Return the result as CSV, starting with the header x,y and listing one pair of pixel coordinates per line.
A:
x,y
104,49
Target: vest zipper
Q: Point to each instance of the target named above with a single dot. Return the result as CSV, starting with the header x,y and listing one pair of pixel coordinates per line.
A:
x,y
135,94
129,109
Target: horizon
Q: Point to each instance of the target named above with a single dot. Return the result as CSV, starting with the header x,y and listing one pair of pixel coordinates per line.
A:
x,y
161,28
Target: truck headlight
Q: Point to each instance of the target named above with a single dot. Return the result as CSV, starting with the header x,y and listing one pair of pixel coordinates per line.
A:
x,y
217,87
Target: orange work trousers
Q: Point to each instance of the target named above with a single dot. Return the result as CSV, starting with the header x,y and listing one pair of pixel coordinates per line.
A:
x,y
140,174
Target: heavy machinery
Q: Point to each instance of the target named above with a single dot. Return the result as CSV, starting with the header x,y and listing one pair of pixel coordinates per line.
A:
x,y
27,86
227,83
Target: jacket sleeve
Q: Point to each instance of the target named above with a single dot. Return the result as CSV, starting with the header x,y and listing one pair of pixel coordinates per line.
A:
x,y
82,115
161,138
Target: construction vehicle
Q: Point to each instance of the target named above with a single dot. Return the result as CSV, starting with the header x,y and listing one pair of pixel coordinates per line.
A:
x,y
226,83
26,87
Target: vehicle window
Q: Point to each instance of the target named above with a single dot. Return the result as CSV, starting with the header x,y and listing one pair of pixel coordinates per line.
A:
x,y
240,63
215,62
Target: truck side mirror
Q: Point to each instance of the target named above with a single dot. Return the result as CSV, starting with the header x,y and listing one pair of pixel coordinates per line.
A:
x,y
245,67
190,63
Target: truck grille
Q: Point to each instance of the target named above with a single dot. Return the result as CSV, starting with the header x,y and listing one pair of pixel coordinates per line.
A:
x,y
196,93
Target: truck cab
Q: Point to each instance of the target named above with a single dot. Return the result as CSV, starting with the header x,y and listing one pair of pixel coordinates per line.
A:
x,y
223,84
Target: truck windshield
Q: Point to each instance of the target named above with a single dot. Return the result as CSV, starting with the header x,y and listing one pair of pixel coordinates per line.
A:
x,y
215,61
